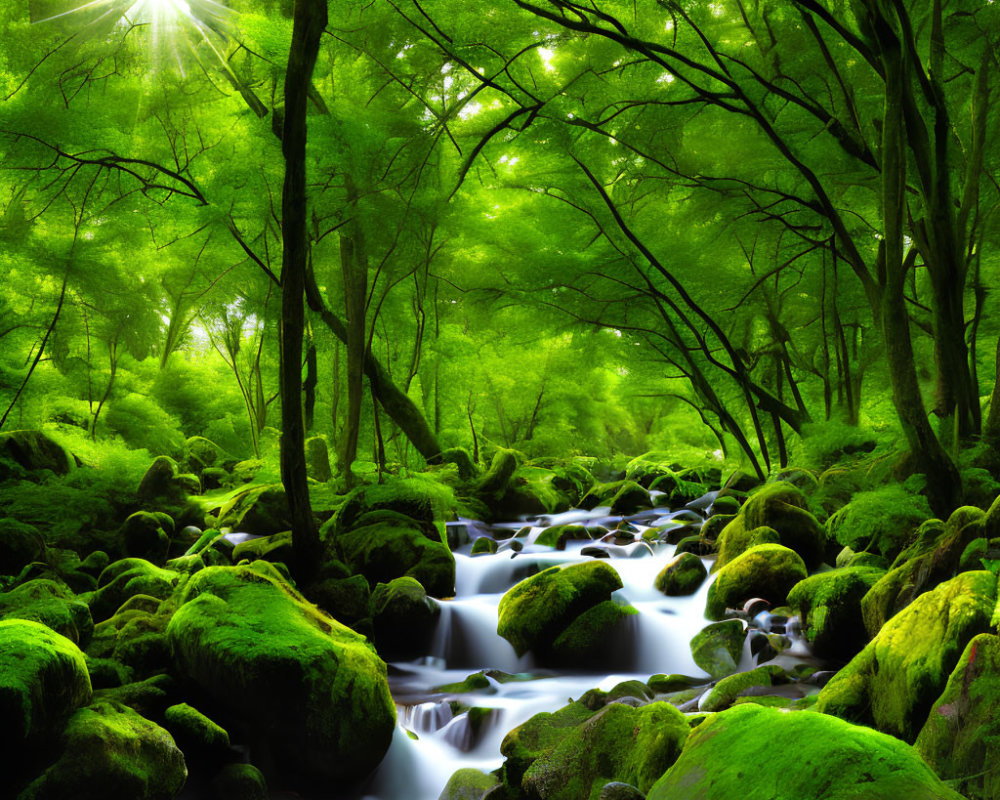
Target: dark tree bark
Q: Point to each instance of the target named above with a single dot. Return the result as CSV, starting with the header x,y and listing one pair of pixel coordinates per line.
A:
x,y
309,22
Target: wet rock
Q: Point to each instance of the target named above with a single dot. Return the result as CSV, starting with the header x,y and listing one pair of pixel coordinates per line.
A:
x,y
893,682
110,751
829,606
484,545
618,790
558,535
494,481
726,505
696,545
767,570
717,647
807,755
782,508
585,640
53,605
962,732
285,671
624,497
681,576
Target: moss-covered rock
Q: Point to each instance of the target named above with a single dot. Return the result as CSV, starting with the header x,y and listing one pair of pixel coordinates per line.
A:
x,y
585,640
239,782
112,753
200,454
164,484
882,519
758,753
893,682
961,738
467,784
767,570
318,459
404,617
717,648
484,545
725,692
33,451
53,605
829,606
783,508
394,548
260,510
147,535
20,544
285,671
347,600
623,497
538,609
43,680
422,500
494,481
195,732
621,743
274,548
681,576
557,535
126,578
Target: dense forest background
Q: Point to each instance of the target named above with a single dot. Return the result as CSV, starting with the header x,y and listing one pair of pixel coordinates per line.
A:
x,y
562,228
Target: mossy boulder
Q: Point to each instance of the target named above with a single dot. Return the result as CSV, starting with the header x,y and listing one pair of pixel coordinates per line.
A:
x,y
394,547
239,782
112,753
285,671
260,510
318,459
43,680
404,617
829,606
276,547
493,483
33,451
756,753
20,544
147,535
682,575
423,500
53,605
484,545
347,600
127,578
717,648
200,454
586,639
623,497
767,570
879,520
894,681
195,732
622,743
961,738
557,535
164,484
782,508
536,611
467,784
754,681
538,735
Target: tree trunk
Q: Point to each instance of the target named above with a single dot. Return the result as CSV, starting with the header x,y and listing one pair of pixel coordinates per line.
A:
x,y
310,17
354,266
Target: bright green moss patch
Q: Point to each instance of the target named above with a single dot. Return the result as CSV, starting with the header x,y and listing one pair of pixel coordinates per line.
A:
x,y
682,575
111,751
717,648
725,692
755,753
881,519
285,670
585,640
193,729
829,606
535,611
43,679
767,570
893,682
51,604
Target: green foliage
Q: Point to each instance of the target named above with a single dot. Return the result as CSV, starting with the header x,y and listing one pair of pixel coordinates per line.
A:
x,y
881,519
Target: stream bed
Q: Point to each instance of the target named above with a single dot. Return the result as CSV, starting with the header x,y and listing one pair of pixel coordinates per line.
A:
x,y
435,735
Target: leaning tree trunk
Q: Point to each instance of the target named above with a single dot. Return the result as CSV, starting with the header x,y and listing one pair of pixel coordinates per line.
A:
x,y
307,28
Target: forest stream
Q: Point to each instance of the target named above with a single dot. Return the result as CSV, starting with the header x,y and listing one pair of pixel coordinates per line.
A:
x,y
431,741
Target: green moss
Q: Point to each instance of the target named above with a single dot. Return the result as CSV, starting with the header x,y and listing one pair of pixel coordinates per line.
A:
x,y
194,730
112,753
129,577
728,689
623,497
53,605
240,782
523,745
284,669
476,682
961,738
467,784
494,482
20,544
717,648
483,545
388,550
260,510
681,576
535,611
881,519
782,508
622,743
829,606
758,753
404,617
585,640
43,679
767,570
893,682
672,683
33,451
558,535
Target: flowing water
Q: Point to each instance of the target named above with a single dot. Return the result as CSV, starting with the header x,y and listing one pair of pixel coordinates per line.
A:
x,y
431,740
